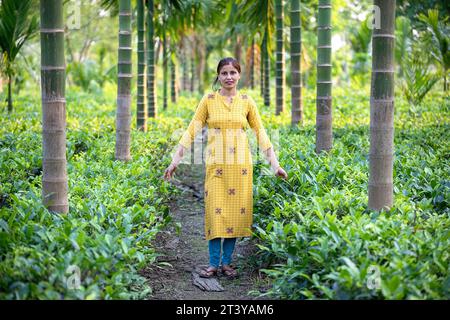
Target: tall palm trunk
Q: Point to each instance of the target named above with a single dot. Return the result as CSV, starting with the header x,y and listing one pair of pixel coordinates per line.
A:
x,y
54,171
173,81
185,64
238,49
382,109
201,54
157,54
261,70
266,70
185,80
280,82
191,89
296,50
123,115
164,62
324,136
141,114
151,89
252,65
10,105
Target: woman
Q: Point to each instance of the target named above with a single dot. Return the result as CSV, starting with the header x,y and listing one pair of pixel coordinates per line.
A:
x,y
229,169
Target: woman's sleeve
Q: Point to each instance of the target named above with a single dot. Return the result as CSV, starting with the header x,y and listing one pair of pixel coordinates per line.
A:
x,y
255,122
197,123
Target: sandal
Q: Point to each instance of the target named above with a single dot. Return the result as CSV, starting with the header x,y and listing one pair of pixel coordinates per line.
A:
x,y
229,271
208,272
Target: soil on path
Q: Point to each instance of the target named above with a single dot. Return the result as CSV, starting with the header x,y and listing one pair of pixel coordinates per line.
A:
x,y
184,248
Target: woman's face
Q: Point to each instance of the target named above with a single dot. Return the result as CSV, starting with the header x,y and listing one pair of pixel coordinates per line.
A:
x,y
229,76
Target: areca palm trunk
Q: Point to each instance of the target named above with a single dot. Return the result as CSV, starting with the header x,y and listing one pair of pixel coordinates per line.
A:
x,y
164,62
151,92
261,70
382,109
54,163
141,119
201,54
185,81
252,65
10,104
238,49
185,65
123,115
280,82
173,81
324,137
266,70
192,71
296,49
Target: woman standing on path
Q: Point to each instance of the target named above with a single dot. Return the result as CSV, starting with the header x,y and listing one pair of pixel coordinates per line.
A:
x,y
229,167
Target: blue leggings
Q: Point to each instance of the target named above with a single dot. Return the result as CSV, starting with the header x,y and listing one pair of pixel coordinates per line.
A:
x,y
214,251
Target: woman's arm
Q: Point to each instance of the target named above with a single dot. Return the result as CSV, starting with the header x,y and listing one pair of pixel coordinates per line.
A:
x,y
178,155
272,158
176,158
255,122
185,142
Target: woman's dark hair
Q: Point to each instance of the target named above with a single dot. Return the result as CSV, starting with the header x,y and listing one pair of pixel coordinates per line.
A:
x,y
224,62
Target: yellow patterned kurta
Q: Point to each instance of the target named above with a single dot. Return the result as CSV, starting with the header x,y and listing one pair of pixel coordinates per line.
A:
x,y
229,169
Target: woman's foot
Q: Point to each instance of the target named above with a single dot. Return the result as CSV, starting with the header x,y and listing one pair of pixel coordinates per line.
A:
x,y
229,271
208,272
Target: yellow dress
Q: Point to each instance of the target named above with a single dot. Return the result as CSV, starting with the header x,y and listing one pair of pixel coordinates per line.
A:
x,y
229,167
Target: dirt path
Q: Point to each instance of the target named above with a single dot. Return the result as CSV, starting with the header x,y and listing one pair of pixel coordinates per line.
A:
x,y
188,249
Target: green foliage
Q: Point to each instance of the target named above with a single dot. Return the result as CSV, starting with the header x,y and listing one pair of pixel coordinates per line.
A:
x,y
318,239
360,39
260,15
416,73
437,40
90,76
403,41
111,5
411,8
418,80
115,208
18,23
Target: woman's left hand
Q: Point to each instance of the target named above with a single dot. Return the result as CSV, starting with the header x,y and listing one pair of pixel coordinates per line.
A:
x,y
279,172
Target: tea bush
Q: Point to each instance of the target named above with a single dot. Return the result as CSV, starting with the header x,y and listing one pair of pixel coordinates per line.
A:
x,y
115,208
318,239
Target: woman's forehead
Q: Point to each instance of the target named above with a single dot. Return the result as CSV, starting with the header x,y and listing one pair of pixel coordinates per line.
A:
x,y
228,67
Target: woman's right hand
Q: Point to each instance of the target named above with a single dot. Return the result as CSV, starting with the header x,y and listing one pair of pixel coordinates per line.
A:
x,y
168,174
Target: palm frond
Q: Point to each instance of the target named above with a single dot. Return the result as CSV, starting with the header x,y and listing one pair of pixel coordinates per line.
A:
x,y
403,33
418,80
437,37
111,5
18,23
